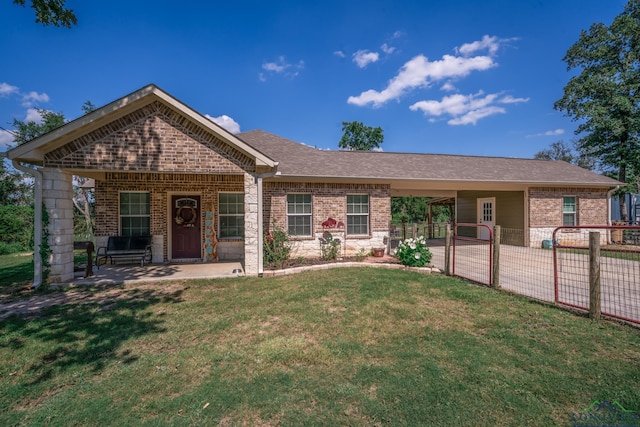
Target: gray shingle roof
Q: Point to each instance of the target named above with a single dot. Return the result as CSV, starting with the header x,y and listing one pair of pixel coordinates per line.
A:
x,y
299,160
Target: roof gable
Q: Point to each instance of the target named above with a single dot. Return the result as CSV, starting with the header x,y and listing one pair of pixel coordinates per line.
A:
x,y
34,151
152,138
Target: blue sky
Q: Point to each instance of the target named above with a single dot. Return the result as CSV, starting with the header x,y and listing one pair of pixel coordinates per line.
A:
x,y
460,77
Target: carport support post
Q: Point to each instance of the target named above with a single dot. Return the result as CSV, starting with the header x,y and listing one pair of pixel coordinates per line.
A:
x,y
594,275
496,256
447,250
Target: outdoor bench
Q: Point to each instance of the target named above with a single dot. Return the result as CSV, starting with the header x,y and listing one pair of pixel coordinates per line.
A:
x,y
125,247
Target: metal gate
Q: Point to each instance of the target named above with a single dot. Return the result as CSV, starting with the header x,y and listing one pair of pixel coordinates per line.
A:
x,y
473,252
615,260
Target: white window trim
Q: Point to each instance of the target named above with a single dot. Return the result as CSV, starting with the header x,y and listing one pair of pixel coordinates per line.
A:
x,y
575,211
310,215
120,192
368,214
221,215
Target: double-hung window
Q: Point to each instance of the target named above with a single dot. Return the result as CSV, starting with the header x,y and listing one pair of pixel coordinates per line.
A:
x,y
231,215
135,214
569,217
357,214
299,214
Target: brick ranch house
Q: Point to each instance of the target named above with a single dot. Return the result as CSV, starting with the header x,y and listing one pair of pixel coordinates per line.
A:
x,y
163,169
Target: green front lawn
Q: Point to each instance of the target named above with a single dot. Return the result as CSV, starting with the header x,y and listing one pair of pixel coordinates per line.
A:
x,y
358,346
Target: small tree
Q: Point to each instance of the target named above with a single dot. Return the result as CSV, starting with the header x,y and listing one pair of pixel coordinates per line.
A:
x,y
560,150
51,12
359,137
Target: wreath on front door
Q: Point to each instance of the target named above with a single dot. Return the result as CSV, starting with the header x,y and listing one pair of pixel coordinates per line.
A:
x,y
180,220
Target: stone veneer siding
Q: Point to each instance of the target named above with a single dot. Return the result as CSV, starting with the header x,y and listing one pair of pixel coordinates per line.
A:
x,y
160,186
57,195
545,213
329,200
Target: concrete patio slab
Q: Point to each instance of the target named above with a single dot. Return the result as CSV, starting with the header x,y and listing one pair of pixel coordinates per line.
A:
x,y
126,274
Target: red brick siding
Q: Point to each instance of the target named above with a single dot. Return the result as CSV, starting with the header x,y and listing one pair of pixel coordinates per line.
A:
x,y
545,206
152,138
158,185
328,200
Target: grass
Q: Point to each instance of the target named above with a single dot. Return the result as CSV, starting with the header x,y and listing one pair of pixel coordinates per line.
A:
x,y
358,346
16,273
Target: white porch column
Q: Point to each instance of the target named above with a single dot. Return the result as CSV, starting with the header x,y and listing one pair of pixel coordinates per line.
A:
x,y
250,225
57,198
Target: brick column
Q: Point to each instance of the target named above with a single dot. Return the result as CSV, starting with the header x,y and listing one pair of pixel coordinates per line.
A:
x,y
57,197
250,225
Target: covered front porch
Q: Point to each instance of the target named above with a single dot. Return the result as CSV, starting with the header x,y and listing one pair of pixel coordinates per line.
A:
x,y
120,274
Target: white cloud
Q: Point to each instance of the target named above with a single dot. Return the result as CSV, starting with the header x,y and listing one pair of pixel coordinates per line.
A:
x,y
397,34
448,87
554,132
6,89
340,54
281,66
464,109
364,57
387,49
490,43
28,99
33,115
226,122
420,72
6,139
511,100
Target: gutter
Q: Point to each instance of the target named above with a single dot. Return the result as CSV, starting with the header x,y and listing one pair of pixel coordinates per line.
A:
x,y
609,194
37,219
258,179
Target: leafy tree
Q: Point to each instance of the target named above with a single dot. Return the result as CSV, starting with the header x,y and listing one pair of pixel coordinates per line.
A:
x,y
51,12
415,209
359,137
605,96
560,150
13,189
82,197
26,131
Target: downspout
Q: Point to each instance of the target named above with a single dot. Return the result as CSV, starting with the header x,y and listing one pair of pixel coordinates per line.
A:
x,y
609,194
37,220
260,220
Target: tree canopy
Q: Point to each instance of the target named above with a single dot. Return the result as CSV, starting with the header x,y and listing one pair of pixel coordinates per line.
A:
x,y
561,150
605,97
51,12
26,131
359,137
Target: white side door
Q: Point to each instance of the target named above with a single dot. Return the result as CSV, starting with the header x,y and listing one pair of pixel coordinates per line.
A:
x,y
486,216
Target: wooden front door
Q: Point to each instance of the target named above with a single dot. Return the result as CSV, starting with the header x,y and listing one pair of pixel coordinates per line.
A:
x,y
185,229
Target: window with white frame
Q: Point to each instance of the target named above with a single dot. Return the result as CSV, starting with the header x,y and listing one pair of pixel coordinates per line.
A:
x,y
135,214
357,214
299,214
569,217
231,215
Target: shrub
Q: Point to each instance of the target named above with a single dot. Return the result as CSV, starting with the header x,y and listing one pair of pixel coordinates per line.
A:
x,y
414,252
12,248
329,246
16,227
277,247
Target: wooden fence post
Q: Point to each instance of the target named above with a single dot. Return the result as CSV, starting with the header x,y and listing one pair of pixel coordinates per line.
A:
x,y
594,275
447,250
496,256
